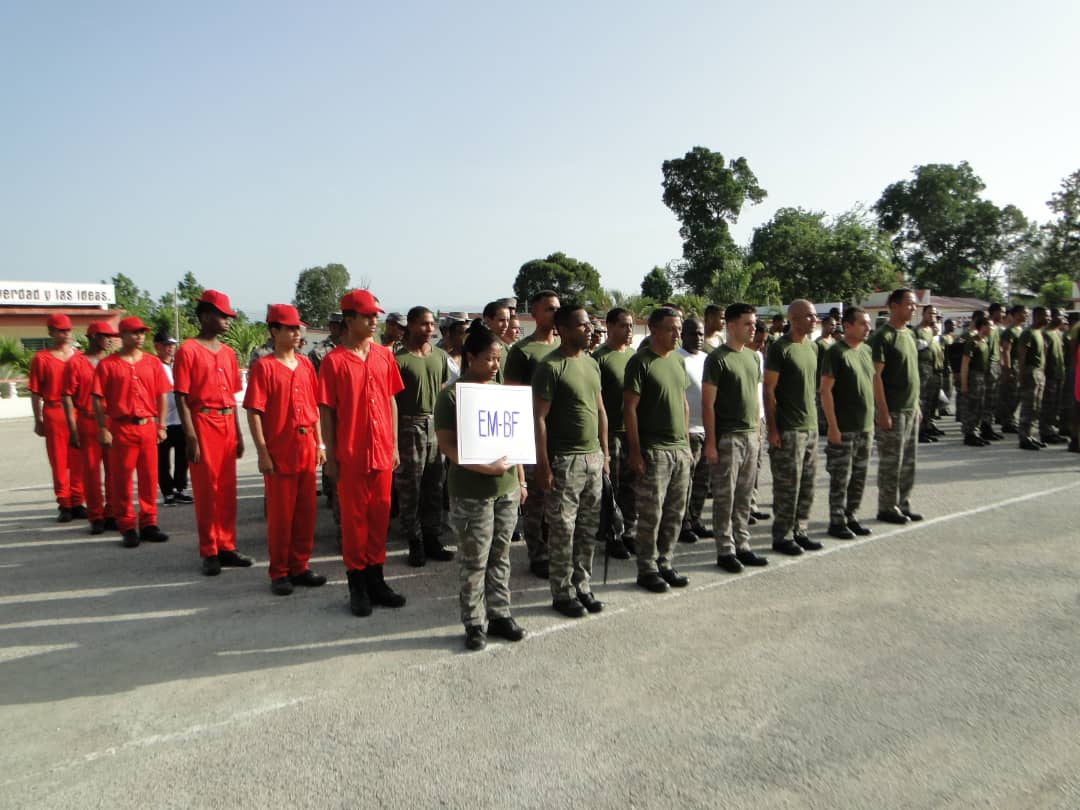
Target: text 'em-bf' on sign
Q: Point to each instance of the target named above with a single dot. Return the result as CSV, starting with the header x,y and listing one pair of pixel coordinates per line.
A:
x,y
495,421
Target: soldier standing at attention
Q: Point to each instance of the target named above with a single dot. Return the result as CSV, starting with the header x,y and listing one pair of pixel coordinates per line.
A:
x,y
822,343
730,407
1030,351
358,414
419,478
130,389
520,364
46,386
452,328
993,375
714,327
484,502
929,373
1054,340
1009,397
656,415
327,345
207,380
847,397
896,399
973,378
284,423
82,424
571,459
612,358
693,338
791,420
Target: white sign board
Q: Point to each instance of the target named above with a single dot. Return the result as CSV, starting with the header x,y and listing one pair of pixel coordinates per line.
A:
x,y
495,421
45,293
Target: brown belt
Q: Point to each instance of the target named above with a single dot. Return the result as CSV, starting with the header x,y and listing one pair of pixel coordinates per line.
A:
x,y
222,411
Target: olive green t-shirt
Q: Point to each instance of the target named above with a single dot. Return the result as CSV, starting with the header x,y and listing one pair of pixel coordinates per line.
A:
x,y
469,483
423,377
900,376
737,378
796,363
661,383
522,358
978,354
612,373
572,386
1034,351
993,343
1009,337
1055,353
852,371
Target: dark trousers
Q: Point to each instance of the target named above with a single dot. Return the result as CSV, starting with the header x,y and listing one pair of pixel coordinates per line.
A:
x,y
176,481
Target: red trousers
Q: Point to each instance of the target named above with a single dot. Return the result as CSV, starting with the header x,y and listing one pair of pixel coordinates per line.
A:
x,y
65,460
290,521
134,450
98,507
364,498
213,482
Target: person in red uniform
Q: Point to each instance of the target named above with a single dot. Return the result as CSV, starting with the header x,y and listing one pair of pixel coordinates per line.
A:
x,y
206,378
130,389
46,391
82,425
357,384
284,420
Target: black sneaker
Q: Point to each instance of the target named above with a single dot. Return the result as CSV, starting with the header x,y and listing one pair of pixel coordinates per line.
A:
x,y
211,566
687,536
130,539
281,586
893,516
180,497
97,527
152,534
569,607
1028,444
617,550
841,531
434,550
703,531
674,578
111,525
475,637
505,627
756,515
589,600
789,547
971,440
308,579
63,515
169,500
652,581
729,563
805,542
79,512
858,528
747,557
911,515
234,559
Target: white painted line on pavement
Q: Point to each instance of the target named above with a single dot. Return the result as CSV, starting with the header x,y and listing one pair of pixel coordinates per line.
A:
x,y
118,617
26,651
88,593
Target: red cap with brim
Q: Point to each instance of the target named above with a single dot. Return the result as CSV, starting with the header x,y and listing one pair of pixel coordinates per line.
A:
x,y
101,328
219,301
361,302
58,321
284,314
133,324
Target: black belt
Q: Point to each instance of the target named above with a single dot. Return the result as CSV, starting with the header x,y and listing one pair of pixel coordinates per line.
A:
x,y
52,403
222,411
132,420
303,430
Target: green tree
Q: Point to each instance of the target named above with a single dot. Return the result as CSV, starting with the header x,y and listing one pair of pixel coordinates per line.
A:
x,y
945,236
131,298
178,304
244,337
656,286
573,280
707,194
1062,235
1056,293
319,291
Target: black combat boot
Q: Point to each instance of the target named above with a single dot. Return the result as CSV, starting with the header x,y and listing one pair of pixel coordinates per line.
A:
x,y
359,602
379,592
434,550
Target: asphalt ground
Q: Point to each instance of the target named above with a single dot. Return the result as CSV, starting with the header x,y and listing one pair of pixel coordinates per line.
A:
x,y
931,665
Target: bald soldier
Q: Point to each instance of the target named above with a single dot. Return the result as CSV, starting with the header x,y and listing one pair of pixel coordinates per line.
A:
x,y
791,420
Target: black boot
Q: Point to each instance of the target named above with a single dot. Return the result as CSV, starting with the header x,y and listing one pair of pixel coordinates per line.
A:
x,y
379,591
417,557
434,550
359,602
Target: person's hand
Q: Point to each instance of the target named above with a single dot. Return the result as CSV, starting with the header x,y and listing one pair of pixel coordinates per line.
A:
x,y
161,434
545,478
192,447
397,459
636,462
607,465
500,466
774,437
39,427
884,420
73,440
834,436
320,456
523,493
239,445
266,464
330,468
712,455
105,437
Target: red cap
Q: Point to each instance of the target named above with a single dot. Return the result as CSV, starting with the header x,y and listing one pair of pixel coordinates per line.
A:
x,y
133,324
58,320
218,300
101,328
283,314
361,302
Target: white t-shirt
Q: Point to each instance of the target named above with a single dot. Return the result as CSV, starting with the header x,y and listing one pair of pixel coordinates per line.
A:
x,y
172,418
695,369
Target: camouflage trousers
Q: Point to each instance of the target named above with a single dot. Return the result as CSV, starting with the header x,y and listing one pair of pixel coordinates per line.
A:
x,y
482,530
733,480
1049,421
847,464
661,503
763,444
1008,398
623,481
698,489
992,386
533,518
929,388
974,404
419,478
793,464
1031,396
572,511
896,461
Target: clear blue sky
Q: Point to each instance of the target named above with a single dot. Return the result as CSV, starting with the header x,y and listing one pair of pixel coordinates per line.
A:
x,y
434,147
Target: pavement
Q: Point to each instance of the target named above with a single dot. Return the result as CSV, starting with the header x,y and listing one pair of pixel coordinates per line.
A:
x,y
932,665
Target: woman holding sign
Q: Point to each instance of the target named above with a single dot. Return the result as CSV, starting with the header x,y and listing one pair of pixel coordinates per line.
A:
x,y
484,502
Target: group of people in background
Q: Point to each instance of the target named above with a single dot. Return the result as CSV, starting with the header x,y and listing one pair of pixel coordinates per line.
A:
x,y
630,441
